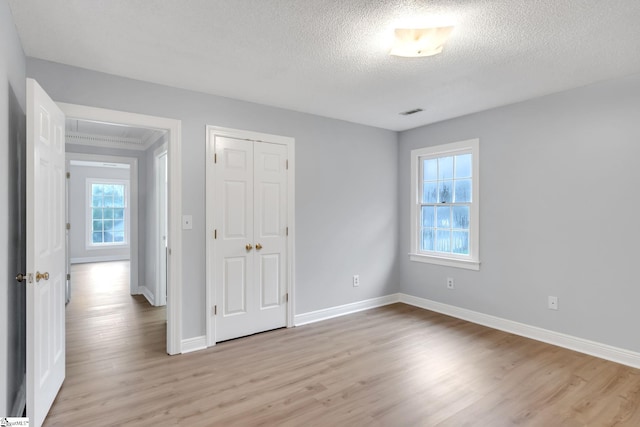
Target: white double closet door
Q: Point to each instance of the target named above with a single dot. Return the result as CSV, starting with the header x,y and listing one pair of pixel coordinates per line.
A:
x,y
250,237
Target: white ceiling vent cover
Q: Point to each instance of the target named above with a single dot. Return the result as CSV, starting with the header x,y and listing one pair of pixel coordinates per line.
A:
x,y
410,112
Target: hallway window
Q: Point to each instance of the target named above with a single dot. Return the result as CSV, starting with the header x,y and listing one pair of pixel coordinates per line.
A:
x,y
108,212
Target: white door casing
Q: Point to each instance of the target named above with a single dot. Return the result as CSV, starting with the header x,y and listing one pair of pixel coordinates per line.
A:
x,y
174,202
45,252
250,219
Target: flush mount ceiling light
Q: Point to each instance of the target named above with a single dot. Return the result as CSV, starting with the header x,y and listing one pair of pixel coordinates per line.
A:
x,y
416,42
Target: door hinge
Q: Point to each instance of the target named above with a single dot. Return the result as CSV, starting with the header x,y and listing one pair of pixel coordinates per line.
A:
x,y
286,297
215,157
287,231
68,175
287,164
215,234
68,276
68,226
169,251
215,310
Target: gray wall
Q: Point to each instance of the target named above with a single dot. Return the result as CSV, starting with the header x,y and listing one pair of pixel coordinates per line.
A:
x,y
558,200
558,213
346,176
78,205
12,210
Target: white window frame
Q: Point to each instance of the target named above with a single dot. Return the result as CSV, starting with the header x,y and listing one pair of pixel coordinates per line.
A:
x,y
471,261
89,215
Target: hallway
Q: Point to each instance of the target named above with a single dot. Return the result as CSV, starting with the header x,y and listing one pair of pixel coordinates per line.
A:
x,y
107,331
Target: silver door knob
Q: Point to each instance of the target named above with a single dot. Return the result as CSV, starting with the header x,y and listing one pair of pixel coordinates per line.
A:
x,y
21,277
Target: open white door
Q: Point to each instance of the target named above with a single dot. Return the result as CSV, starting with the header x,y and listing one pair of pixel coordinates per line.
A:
x,y
45,252
162,223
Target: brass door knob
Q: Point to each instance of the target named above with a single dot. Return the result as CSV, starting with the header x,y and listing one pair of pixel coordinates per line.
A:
x,y
258,246
21,277
248,247
40,276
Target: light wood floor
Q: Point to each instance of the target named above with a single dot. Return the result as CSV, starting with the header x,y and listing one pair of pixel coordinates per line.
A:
x,y
392,366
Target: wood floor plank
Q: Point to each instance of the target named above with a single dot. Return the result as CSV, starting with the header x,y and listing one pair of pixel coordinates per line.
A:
x,y
392,366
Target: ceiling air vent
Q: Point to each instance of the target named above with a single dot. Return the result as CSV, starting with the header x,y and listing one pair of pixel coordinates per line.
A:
x,y
408,113
79,138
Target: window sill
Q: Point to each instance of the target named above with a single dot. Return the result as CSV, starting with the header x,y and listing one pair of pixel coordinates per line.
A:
x,y
448,262
107,246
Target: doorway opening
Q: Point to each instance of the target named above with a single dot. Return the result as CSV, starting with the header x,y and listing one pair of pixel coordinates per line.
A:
x,y
100,135
102,211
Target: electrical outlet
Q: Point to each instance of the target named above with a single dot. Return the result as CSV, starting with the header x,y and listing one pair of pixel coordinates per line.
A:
x,y
356,280
552,303
450,282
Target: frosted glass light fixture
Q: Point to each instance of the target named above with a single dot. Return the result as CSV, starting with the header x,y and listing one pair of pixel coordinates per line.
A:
x,y
415,42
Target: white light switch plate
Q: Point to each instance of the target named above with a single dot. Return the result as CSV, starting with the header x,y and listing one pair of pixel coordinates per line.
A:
x,y
187,222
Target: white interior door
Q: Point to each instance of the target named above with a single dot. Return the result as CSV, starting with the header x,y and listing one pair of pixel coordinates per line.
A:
x,y
67,254
270,233
249,251
45,252
162,208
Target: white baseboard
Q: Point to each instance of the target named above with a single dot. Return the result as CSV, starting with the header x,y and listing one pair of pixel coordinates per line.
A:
x,y
194,344
20,401
143,290
603,351
84,260
341,310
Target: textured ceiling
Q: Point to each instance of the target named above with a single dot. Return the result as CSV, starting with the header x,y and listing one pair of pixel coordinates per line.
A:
x,y
330,57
